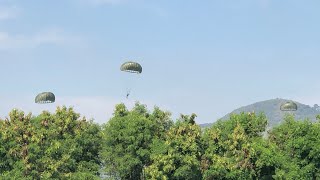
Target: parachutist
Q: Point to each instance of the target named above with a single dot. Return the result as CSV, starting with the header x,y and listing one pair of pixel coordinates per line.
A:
x,y
128,95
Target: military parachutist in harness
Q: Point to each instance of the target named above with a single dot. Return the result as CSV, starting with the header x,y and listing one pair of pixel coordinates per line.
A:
x,y
128,93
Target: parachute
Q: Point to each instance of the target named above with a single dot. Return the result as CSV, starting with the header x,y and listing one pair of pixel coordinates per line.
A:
x,y
131,67
45,97
289,106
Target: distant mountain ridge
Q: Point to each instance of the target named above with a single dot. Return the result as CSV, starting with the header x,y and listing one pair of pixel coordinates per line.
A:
x,y
271,108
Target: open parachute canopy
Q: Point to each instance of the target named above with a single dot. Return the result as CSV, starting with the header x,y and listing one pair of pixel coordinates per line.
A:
x,y
132,67
289,106
45,97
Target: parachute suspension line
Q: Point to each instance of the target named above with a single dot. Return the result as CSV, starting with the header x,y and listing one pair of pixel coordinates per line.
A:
x,y
131,87
136,76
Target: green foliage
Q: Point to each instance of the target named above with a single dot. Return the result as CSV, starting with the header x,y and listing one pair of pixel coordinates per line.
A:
x,y
179,155
139,144
235,149
128,137
252,124
300,140
58,146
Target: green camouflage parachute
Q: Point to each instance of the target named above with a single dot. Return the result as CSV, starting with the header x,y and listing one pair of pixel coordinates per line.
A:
x,y
289,106
45,97
131,67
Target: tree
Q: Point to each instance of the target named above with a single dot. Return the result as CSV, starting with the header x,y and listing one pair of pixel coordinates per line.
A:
x,y
59,146
178,157
235,149
128,137
300,141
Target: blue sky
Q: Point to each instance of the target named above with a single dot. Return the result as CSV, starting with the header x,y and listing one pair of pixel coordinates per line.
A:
x,y
207,57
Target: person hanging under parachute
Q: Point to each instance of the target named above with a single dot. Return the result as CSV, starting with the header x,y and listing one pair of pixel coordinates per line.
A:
x,y
131,67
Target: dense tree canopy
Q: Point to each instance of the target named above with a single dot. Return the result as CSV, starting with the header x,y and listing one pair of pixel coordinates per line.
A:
x,y
235,149
144,144
300,140
128,137
59,146
180,153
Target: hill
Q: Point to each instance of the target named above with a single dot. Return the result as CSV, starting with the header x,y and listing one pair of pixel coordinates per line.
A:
x,y
271,108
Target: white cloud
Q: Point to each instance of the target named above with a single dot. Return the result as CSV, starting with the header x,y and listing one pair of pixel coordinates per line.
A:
x,y
50,36
8,12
